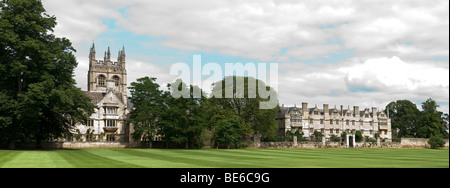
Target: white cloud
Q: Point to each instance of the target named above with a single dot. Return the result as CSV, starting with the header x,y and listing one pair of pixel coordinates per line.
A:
x,y
390,41
393,73
259,29
389,79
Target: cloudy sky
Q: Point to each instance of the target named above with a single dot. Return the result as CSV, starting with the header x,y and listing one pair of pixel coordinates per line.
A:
x,y
365,53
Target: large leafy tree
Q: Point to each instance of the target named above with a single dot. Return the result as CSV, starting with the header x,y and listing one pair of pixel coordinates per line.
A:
x,y
228,132
405,118
37,90
148,106
245,105
409,121
185,119
430,123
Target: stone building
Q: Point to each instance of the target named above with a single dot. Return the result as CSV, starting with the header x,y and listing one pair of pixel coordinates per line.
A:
x,y
107,88
334,121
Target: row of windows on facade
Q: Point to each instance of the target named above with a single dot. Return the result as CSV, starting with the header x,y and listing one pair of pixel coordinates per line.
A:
x,y
102,80
347,122
335,114
108,123
109,137
336,131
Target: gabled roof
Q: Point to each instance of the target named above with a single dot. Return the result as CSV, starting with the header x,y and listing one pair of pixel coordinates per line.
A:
x,y
97,97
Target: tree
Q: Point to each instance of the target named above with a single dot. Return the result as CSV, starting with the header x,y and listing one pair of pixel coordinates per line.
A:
x,y
184,120
358,136
318,136
405,117
148,107
436,142
36,83
430,123
245,103
228,132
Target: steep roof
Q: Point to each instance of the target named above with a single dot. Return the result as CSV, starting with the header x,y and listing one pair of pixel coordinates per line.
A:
x,y
95,97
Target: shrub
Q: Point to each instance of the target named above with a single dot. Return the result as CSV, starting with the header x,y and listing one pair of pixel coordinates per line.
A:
x,y
436,142
358,136
334,138
318,136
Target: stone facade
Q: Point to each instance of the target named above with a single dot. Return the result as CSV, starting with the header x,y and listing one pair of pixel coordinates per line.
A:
x,y
334,122
107,88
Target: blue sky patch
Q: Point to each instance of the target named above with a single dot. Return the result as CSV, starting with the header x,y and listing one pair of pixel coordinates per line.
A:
x,y
124,12
363,89
438,59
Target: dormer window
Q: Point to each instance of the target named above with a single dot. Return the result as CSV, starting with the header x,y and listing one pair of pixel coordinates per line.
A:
x,y
112,111
316,112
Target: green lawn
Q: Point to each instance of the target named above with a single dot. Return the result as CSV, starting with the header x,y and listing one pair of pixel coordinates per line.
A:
x,y
212,158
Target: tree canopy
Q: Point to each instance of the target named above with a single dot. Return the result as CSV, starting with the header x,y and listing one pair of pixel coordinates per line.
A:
x,y
245,104
409,121
39,98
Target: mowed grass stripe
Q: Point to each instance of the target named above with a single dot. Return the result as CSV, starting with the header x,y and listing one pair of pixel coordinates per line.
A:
x,y
360,157
86,159
183,158
261,158
6,156
33,159
213,158
155,159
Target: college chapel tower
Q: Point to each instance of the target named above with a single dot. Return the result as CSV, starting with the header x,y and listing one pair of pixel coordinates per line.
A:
x,y
107,88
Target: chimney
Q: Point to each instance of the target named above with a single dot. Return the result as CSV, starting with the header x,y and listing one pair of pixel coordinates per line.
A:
x,y
374,112
356,111
387,111
326,111
305,109
342,110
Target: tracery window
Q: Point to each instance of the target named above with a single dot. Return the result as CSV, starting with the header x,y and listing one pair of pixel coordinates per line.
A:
x,y
101,80
116,80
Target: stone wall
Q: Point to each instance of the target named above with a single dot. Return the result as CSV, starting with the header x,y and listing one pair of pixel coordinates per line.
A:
x,y
81,145
419,143
306,145
405,143
312,145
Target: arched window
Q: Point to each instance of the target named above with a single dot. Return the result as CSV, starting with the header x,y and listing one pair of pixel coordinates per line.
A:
x,y
101,80
116,80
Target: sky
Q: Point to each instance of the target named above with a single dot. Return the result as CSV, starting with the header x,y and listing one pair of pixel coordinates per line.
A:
x,y
337,52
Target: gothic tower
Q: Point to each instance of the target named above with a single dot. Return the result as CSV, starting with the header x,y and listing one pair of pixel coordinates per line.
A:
x,y
105,75
107,89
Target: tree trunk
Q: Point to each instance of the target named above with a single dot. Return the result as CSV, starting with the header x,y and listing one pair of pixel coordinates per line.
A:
x,y
38,144
12,145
